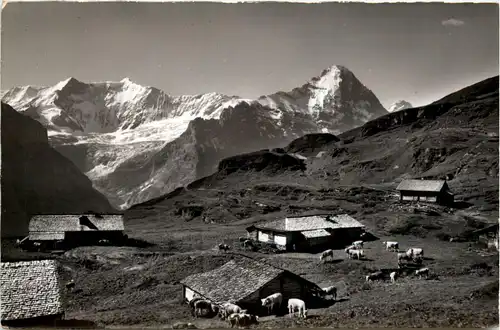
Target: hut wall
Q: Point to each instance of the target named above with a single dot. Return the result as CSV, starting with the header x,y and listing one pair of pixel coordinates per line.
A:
x,y
267,236
445,198
292,288
263,236
280,239
296,239
342,236
287,285
188,293
423,196
252,234
84,237
319,241
253,301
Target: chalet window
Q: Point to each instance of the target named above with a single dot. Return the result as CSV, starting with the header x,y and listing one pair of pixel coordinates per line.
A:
x,y
423,198
431,199
407,198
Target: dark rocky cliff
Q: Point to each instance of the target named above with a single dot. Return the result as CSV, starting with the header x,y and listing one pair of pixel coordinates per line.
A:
x,y
36,178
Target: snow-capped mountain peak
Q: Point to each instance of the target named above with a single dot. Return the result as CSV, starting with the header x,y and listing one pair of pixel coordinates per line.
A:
x,y
126,80
324,88
113,125
400,105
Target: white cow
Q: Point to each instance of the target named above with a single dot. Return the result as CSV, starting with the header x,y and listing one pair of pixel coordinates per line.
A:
x,y
245,319
299,305
326,254
415,252
374,276
356,254
422,271
391,245
228,308
331,290
242,319
358,244
403,257
276,299
350,247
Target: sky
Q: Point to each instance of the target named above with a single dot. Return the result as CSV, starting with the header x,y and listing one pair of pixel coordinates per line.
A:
x,y
418,52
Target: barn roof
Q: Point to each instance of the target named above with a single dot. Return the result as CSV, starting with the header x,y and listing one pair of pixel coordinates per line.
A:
x,y
235,280
314,222
71,222
422,185
30,289
315,233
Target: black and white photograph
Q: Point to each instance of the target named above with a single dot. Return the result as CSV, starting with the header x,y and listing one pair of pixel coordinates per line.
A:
x,y
208,165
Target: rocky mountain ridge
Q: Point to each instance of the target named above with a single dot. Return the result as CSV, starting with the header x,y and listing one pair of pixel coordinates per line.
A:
x,y
128,138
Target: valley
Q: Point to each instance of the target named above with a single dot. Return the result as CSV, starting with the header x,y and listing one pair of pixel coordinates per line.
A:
x,y
355,172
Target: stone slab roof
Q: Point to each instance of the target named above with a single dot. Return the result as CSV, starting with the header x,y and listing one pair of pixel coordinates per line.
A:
x,y
422,185
29,289
71,222
236,280
315,233
314,222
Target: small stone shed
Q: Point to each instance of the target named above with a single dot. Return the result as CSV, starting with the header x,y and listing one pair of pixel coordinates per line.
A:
x,y
244,281
75,228
30,293
306,232
430,191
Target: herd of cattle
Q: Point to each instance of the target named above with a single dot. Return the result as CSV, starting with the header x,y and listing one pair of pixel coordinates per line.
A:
x,y
236,316
355,250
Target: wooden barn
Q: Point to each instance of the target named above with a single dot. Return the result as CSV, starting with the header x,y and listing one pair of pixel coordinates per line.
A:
x,y
30,293
430,191
75,228
244,282
306,232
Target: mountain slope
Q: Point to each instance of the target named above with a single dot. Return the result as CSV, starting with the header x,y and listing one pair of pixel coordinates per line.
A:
x,y
128,138
36,178
357,171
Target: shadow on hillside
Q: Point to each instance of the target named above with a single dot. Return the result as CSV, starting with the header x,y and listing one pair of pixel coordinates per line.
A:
x,y
78,324
323,302
461,205
136,242
332,261
52,324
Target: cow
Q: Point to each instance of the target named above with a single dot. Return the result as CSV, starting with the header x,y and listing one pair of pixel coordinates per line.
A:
x,y
276,299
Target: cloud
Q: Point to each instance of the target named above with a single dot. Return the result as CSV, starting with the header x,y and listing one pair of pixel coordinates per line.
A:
x,y
452,22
